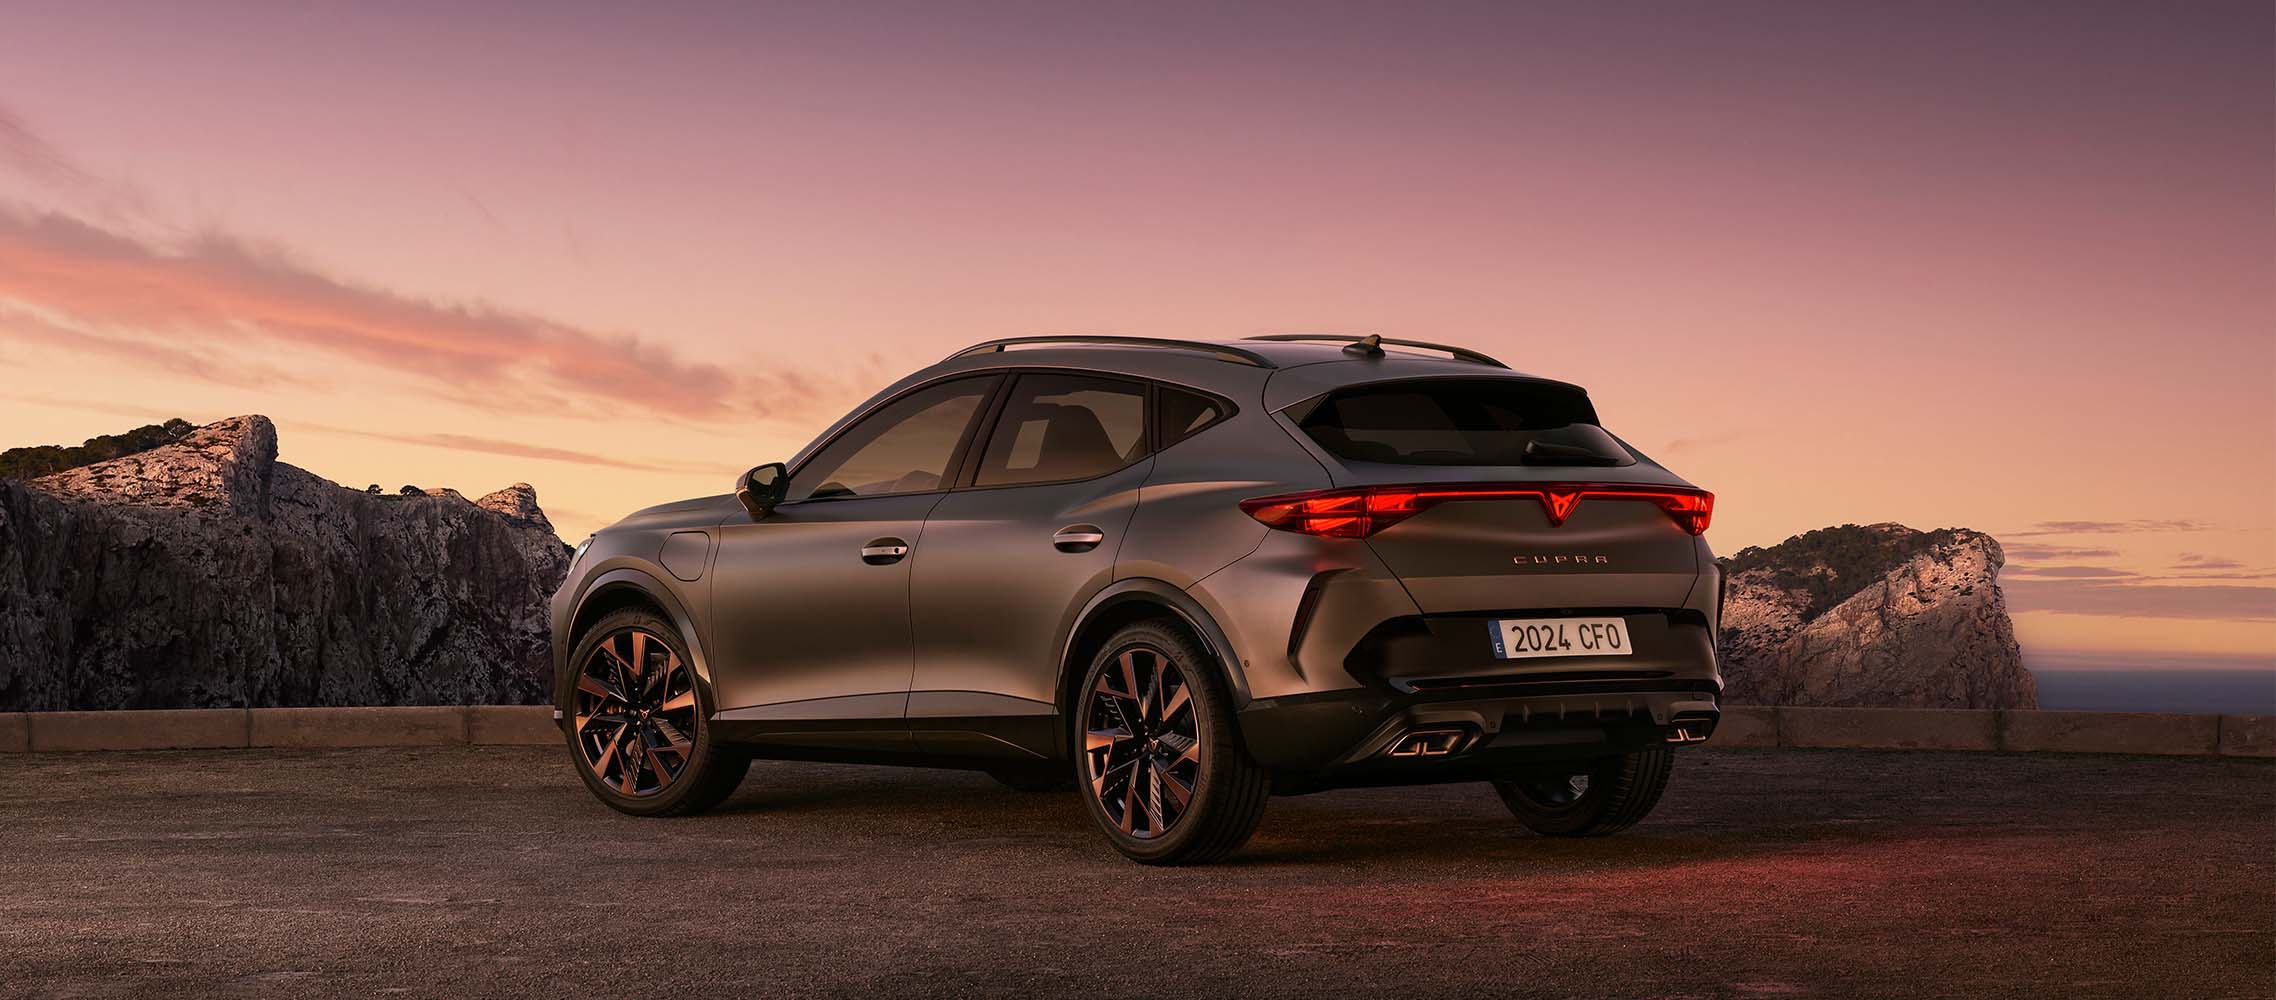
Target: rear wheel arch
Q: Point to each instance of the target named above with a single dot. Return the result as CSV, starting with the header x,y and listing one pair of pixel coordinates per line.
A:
x,y
1134,600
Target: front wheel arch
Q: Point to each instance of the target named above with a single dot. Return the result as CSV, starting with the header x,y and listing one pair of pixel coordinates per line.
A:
x,y
616,589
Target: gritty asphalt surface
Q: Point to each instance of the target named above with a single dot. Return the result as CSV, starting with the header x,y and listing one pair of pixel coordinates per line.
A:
x,y
489,872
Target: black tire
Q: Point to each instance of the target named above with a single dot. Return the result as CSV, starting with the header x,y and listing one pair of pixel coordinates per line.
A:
x,y
1619,791
1033,781
1228,790
708,771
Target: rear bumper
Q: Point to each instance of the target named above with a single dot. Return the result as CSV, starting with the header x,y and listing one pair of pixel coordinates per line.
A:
x,y
1361,736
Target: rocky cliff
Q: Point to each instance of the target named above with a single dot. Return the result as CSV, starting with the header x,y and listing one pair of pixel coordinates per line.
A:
x,y
205,573
1872,615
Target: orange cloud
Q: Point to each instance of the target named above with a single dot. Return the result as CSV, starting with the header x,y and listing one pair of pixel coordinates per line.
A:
x,y
222,292
516,449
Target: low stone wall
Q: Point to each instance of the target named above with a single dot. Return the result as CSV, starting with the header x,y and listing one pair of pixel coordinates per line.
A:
x,y
2014,731
1742,726
238,728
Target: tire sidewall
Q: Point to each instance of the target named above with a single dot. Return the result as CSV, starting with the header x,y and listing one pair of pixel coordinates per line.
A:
x,y
1610,791
1571,817
1221,742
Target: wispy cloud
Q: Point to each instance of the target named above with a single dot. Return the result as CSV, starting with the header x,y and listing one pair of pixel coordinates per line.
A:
x,y
2068,572
2136,527
216,291
195,304
514,449
2136,599
2200,561
25,152
2033,552
23,326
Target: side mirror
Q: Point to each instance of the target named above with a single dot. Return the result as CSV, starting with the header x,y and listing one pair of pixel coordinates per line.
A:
x,y
762,487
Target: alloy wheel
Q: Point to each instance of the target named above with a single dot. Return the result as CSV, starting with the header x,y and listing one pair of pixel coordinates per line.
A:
x,y
636,713
1142,742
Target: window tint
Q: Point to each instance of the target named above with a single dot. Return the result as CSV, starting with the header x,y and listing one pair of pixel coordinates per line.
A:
x,y
904,447
1061,427
1181,414
1463,422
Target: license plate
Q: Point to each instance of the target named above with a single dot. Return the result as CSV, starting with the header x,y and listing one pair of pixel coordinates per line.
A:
x,y
1527,638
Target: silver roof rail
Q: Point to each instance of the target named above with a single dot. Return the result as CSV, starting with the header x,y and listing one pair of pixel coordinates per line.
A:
x,y
1371,345
1225,352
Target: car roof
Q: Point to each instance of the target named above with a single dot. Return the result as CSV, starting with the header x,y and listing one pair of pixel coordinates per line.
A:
x,y
1233,363
1291,371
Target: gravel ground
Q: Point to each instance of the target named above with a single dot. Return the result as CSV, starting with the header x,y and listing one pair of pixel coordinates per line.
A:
x,y
489,872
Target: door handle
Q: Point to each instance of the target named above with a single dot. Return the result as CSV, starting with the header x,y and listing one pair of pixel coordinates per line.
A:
x,y
884,551
1077,538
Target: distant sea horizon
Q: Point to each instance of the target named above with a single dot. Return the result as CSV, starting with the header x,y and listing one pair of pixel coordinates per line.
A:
x,y
2107,682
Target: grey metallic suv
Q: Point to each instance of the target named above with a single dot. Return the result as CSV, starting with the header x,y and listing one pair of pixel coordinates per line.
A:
x,y
1180,576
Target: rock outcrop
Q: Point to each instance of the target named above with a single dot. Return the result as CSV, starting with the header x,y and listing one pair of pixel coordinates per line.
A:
x,y
205,573
1875,615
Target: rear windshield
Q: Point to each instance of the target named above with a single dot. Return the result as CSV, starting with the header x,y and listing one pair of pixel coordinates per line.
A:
x,y
1502,421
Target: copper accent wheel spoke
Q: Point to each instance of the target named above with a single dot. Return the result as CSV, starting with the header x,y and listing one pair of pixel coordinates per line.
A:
x,y
1178,699
674,740
602,689
636,713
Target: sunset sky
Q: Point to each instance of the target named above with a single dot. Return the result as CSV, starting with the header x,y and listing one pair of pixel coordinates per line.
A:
x,y
2006,267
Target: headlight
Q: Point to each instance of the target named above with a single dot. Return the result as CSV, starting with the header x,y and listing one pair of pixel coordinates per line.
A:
x,y
579,555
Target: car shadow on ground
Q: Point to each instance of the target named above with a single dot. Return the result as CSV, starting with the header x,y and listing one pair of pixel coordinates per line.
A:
x,y
1416,826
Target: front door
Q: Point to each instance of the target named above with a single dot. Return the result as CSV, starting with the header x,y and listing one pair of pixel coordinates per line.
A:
x,y
811,604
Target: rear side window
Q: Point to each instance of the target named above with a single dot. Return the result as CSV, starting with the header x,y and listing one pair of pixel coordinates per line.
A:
x,y
1183,414
1462,422
1057,428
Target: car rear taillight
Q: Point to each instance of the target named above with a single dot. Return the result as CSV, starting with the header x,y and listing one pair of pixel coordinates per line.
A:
x,y
1363,511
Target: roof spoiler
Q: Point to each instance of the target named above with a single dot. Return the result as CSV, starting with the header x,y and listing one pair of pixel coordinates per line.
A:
x,y
1371,345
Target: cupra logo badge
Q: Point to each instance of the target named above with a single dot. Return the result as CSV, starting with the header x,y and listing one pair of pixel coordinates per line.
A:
x,y
1560,559
1560,505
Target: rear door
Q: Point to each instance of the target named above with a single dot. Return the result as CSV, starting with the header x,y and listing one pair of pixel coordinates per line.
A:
x,y
1512,552
1011,557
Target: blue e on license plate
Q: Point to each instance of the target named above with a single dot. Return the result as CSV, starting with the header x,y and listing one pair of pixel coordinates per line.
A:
x,y
1526,638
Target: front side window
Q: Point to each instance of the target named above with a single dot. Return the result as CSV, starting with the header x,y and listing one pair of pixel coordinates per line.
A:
x,y
1057,428
904,447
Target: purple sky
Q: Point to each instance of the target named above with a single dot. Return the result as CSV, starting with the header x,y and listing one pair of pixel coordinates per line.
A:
x,y
1999,266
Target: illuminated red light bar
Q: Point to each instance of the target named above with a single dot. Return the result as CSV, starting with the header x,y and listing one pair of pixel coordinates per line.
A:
x,y
1363,511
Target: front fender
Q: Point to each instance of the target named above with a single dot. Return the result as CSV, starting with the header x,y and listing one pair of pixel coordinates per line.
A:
x,y
605,583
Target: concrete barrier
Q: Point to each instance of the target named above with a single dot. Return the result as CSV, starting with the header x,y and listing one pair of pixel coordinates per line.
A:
x,y
2248,736
1746,726
407,726
15,732
2108,732
1888,728
512,725
150,729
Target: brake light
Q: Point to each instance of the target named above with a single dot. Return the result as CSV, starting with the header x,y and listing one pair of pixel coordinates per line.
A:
x,y
1363,511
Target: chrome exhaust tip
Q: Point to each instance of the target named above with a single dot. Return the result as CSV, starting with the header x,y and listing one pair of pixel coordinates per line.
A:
x,y
1437,742
1691,729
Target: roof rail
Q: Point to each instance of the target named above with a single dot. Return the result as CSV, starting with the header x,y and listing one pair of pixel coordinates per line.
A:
x,y
1225,352
1371,345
